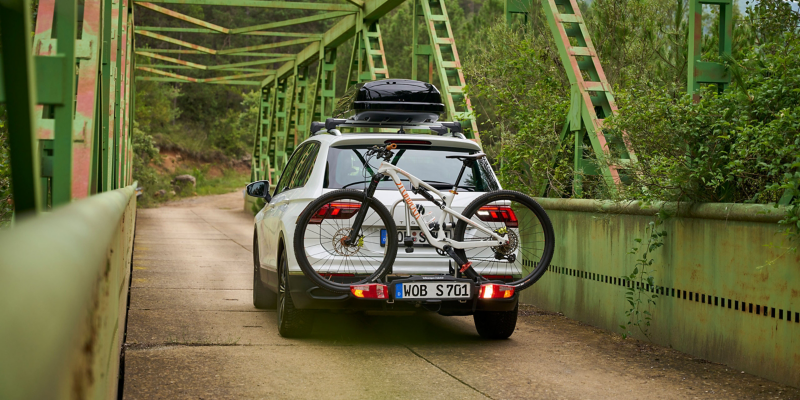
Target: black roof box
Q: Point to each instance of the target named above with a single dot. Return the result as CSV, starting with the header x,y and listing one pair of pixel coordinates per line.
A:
x,y
398,101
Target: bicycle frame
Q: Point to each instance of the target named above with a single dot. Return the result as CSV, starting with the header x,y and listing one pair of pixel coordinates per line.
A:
x,y
447,200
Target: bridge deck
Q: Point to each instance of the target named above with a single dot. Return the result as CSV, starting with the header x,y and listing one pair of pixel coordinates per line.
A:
x,y
193,333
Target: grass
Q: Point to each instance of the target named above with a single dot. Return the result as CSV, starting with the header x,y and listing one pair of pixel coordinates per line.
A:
x,y
230,180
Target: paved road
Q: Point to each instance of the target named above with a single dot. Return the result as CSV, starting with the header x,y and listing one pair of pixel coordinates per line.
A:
x,y
193,333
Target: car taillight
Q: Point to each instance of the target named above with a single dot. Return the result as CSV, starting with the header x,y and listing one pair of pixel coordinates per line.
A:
x,y
335,211
370,291
494,291
498,214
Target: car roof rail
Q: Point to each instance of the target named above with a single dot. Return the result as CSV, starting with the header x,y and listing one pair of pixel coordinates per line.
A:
x,y
332,125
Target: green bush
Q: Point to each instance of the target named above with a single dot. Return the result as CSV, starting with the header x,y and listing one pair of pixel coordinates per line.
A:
x,y
741,145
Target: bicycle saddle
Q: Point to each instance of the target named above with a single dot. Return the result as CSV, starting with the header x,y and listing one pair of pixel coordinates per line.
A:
x,y
468,157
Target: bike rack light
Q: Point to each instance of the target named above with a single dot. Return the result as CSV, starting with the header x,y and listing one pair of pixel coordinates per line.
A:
x,y
495,291
370,291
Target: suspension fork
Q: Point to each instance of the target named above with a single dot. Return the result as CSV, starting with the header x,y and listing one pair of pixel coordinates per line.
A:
x,y
362,212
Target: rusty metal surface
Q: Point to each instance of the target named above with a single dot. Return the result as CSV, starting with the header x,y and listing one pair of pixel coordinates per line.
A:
x,y
727,288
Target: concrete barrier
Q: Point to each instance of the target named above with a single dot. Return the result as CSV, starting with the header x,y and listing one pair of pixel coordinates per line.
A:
x,y
728,284
63,289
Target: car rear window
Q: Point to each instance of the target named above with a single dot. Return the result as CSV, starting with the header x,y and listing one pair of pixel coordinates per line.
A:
x,y
345,168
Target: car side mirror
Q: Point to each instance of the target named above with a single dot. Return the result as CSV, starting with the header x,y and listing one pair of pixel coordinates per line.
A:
x,y
259,189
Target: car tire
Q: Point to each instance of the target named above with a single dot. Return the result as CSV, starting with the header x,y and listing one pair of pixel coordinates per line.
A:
x,y
263,298
292,322
496,324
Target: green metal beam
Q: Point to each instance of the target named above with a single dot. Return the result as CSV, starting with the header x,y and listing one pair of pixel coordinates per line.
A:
x,y
182,78
203,30
338,34
295,5
158,79
18,71
66,12
284,43
247,54
290,22
226,51
183,17
701,72
177,41
170,66
172,60
249,63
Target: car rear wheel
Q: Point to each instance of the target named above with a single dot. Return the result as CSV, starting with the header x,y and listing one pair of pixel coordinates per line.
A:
x,y
292,322
496,324
263,298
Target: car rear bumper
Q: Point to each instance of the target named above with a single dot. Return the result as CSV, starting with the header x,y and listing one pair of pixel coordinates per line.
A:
x,y
306,295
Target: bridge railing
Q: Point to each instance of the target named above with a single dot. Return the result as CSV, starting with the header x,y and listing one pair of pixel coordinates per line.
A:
x,y
64,280
725,279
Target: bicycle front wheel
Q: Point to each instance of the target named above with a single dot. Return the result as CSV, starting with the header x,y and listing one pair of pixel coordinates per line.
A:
x,y
522,261
321,241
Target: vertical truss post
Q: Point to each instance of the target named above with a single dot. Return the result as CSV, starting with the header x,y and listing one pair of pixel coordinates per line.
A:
x,y
260,163
109,65
45,45
18,72
302,112
56,84
448,65
591,100
117,48
701,72
122,101
271,128
283,122
423,50
279,126
325,91
368,61
88,57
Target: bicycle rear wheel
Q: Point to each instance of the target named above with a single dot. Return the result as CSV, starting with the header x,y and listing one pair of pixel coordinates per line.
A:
x,y
522,261
320,241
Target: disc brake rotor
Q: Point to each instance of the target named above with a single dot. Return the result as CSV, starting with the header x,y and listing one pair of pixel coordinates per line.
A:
x,y
512,245
340,246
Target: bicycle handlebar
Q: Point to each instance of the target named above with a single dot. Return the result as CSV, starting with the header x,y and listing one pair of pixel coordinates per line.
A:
x,y
384,152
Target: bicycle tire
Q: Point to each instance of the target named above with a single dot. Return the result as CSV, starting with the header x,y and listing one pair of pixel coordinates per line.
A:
x,y
522,280
326,282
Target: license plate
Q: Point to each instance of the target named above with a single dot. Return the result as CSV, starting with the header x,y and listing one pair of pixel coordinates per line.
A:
x,y
416,236
432,290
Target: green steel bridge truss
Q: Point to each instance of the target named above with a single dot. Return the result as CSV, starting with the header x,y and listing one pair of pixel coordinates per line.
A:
x,y
301,87
71,119
591,96
69,100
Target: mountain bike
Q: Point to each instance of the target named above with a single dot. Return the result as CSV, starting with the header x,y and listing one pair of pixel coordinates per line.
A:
x,y
345,237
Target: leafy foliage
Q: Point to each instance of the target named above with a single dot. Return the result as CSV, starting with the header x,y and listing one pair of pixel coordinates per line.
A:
x,y
741,145
641,293
522,98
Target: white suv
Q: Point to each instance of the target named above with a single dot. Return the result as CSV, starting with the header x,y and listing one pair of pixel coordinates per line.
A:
x,y
330,161
326,162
